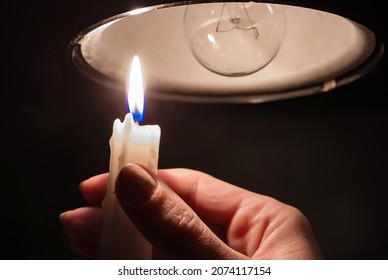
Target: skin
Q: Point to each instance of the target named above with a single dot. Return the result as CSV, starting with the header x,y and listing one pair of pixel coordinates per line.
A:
x,y
196,215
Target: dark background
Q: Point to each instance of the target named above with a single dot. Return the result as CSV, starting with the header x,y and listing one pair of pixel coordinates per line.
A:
x,y
325,154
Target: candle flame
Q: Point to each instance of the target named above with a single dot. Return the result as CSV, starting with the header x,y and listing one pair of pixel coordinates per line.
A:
x,y
136,91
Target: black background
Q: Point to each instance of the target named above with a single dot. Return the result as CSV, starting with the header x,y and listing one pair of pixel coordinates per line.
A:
x,y
325,154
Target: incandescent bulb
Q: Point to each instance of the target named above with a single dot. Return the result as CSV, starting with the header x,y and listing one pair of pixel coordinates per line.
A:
x,y
234,38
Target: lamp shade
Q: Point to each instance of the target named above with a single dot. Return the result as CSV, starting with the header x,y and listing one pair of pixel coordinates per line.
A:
x,y
318,51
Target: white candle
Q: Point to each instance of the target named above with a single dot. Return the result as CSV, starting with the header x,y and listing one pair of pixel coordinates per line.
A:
x,y
129,143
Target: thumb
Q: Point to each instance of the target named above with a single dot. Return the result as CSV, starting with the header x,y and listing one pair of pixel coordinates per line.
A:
x,y
165,220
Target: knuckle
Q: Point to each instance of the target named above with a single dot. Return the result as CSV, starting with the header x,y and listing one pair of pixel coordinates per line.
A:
x,y
183,218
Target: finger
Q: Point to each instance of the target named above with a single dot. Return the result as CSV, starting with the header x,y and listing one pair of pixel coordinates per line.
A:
x,y
94,189
213,199
82,227
165,219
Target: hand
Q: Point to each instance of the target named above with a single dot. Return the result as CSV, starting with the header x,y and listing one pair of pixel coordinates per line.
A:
x,y
197,217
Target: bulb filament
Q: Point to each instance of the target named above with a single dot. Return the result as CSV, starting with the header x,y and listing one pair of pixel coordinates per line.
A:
x,y
235,18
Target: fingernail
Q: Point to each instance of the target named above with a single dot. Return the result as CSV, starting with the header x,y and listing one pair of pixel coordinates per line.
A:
x,y
62,216
136,183
81,185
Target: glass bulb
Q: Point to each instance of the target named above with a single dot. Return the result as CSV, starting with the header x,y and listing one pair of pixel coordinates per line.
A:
x,y
234,38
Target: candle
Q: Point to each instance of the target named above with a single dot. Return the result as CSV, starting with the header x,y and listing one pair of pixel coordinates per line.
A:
x,y
129,143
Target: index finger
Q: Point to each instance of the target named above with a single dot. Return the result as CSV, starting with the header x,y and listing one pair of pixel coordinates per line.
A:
x,y
213,199
94,189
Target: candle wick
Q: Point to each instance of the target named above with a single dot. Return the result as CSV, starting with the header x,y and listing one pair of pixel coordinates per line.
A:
x,y
137,116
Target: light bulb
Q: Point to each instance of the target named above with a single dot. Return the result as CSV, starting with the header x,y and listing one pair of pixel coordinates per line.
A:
x,y
234,38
